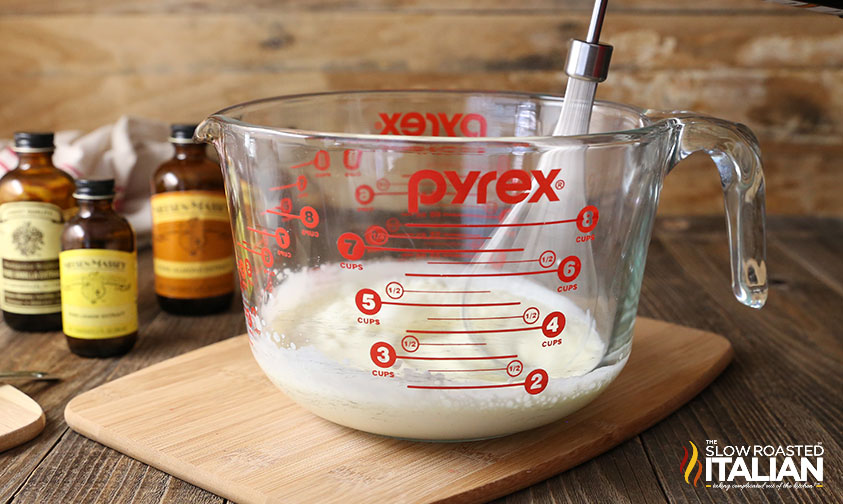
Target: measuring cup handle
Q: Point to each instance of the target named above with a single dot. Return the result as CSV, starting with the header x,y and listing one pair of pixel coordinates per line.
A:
x,y
735,151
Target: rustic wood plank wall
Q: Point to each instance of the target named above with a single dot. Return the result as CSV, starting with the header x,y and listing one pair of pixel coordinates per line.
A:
x,y
82,63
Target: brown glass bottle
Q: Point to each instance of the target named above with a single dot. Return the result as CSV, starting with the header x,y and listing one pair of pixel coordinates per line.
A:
x,y
98,275
191,235
35,200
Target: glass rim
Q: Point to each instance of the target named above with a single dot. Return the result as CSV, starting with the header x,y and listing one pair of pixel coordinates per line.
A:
x,y
610,137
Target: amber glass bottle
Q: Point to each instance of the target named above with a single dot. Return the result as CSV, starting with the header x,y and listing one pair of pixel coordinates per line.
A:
x,y
99,286
191,237
35,200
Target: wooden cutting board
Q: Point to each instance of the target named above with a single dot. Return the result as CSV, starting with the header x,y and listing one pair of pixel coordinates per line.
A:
x,y
211,417
21,418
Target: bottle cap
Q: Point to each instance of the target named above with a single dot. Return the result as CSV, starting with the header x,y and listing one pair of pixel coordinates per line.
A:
x,y
28,141
91,189
182,133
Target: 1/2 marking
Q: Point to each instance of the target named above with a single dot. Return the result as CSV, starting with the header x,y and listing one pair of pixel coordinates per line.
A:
x,y
376,235
410,343
547,259
394,290
531,315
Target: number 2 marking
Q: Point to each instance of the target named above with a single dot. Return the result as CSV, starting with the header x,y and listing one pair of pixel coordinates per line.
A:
x,y
536,381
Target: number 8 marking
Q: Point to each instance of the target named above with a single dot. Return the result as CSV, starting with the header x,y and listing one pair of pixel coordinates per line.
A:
x,y
587,219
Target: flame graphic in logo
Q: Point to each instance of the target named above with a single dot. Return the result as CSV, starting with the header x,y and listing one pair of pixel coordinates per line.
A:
x,y
687,467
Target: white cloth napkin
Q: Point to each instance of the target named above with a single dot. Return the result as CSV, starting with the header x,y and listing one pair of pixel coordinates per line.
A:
x,y
129,151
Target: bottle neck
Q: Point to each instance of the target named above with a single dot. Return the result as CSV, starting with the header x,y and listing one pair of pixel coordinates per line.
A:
x,y
27,160
88,207
190,151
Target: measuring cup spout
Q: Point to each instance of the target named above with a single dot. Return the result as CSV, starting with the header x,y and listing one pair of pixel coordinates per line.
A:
x,y
734,149
208,131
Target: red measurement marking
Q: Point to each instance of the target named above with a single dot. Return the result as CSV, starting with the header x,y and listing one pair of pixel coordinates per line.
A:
x,y
449,292
481,357
464,370
262,231
481,262
474,318
485,331
518,273
241,245
458,387
390,193
422,237
300,183
322,175
453,344
451,305
462,251
284,214
466,214
514,224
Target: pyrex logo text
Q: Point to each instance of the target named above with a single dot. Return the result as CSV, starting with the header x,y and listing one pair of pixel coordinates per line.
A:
x,y
416,124
512,187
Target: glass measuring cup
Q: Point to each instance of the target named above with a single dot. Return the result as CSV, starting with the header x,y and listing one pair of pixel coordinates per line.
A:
x,y
393,281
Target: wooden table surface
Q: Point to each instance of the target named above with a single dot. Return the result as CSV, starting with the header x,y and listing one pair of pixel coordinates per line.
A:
x,y
784,386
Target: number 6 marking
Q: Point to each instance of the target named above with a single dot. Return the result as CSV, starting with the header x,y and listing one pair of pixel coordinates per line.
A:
x,y
536,381
569,269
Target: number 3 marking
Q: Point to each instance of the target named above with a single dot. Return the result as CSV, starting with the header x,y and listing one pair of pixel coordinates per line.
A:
x,y
383,354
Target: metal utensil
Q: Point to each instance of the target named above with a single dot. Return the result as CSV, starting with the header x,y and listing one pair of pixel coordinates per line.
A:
x,y
28,375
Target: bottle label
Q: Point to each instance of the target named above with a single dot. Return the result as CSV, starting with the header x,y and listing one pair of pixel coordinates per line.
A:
x,y
30,241
193,255
99,293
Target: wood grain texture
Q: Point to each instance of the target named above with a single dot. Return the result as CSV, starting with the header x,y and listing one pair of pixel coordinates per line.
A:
x,y
211,417
30,7
78,64
783,385
49,351
21,419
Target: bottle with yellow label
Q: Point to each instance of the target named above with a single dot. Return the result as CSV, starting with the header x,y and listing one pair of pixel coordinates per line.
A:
x,y
35,200
99,279
193,253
